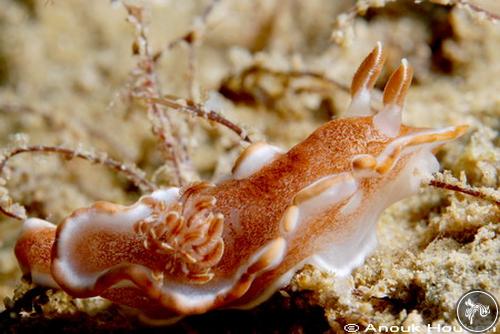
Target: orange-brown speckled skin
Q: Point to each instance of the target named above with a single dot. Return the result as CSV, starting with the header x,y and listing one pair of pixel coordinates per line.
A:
x,y
111,248
101,250
253,207
33,249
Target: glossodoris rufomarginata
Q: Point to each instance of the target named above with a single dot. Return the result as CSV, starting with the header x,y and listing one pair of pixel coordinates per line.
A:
x,y
232,244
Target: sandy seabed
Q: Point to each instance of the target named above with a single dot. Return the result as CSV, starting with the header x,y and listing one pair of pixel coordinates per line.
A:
x,y
67,71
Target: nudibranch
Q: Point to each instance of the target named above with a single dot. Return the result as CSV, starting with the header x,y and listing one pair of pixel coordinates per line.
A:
x,y
232,244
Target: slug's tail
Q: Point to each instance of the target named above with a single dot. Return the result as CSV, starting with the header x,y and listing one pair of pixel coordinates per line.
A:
x,y
33,251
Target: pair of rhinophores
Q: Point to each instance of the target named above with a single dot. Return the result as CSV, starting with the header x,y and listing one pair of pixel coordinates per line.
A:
x,y
232,244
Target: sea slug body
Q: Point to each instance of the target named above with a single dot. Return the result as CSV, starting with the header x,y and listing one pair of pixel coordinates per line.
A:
x,y
186,251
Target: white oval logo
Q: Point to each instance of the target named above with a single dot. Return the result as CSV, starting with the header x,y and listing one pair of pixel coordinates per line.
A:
x,y
477,311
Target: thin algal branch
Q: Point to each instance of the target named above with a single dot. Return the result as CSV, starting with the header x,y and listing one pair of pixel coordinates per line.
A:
x,y
200,111
11,214
147,85
131,172
447,182
465,190
478,9
73,126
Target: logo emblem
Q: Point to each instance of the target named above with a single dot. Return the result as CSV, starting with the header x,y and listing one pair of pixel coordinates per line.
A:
x,y
477,311
351,328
